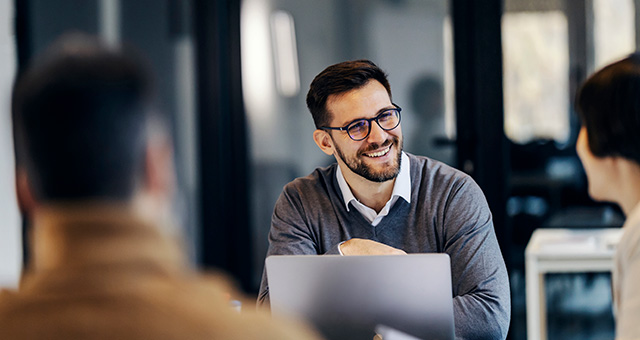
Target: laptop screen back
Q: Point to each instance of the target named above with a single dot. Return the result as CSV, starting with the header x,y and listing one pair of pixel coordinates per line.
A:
x,y
355,297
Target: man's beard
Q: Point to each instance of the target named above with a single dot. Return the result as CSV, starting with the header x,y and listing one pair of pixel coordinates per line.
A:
x,y
359,167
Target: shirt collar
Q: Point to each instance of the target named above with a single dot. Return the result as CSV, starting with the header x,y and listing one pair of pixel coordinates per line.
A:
x,y
401,188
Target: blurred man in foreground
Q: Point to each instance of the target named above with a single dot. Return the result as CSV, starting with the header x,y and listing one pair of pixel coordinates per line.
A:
x,y
95,176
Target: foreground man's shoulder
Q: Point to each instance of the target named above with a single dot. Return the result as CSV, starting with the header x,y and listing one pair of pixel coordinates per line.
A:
x,y
240,316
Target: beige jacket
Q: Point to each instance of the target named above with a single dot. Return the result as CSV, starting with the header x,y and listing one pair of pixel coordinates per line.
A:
x,y
99,273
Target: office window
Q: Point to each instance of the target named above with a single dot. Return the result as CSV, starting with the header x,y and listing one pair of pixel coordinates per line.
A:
x,y
614,33
536,76
10,249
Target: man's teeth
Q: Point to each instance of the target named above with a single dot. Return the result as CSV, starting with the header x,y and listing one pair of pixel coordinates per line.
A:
x,y
379,153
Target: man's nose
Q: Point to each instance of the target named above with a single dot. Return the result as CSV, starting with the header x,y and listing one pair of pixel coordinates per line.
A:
x,y
377,134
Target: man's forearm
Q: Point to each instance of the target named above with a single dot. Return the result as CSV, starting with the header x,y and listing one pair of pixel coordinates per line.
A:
x,y
479,316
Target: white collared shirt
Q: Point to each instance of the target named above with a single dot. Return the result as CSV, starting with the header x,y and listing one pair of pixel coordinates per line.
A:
x,y
401,188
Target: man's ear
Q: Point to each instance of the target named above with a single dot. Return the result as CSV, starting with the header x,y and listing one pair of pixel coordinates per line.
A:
x,y
324,141
26,199
159,169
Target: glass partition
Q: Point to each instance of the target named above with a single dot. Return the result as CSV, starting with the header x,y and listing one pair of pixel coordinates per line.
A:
x,y
549,48
10,228
285,43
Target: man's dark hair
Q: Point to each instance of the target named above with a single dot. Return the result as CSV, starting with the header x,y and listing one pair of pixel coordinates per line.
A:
x,y
608,104
337,79
80,116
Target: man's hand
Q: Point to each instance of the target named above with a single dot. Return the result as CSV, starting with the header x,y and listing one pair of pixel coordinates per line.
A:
x,y
359,246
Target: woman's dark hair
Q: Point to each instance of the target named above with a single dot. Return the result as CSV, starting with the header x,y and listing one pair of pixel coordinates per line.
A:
x,y
608,104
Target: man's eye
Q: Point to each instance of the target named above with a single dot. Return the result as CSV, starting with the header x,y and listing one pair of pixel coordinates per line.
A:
x,y
385,116
358,126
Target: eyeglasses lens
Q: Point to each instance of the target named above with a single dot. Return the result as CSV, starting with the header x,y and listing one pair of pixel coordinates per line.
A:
x,y
387,120
359,129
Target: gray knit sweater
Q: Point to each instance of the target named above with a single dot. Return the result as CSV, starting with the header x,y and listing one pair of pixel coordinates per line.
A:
x,y
448,213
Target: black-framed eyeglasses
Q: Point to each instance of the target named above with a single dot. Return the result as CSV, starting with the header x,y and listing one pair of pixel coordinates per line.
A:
x,y
359,129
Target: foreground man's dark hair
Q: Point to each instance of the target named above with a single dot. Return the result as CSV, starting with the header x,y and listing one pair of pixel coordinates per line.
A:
x,y
80,115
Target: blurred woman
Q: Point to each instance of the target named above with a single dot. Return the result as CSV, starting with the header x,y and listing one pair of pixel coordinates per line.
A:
x,y
609,147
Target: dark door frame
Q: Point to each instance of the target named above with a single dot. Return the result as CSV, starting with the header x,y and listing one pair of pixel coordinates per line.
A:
x,y
225,239
481,142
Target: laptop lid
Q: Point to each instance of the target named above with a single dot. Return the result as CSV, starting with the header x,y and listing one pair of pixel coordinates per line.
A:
x,y
357,297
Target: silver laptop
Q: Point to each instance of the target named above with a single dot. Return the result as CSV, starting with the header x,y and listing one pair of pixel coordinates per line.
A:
x,y
359,297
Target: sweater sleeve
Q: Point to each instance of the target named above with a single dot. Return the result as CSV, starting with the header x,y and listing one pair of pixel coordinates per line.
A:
x,y
290,234
482,302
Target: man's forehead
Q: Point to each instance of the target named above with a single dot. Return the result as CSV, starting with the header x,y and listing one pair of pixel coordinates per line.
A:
x,y
360,102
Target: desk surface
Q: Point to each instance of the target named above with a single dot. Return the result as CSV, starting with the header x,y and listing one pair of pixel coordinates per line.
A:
x,y
562,251
573,243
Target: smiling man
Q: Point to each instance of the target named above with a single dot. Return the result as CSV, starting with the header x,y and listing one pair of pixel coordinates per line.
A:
x,y
378,199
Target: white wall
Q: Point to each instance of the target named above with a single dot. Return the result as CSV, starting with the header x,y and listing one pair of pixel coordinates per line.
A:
x,y
10,244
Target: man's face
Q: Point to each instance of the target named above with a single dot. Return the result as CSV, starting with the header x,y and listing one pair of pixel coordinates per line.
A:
x,y
377,157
